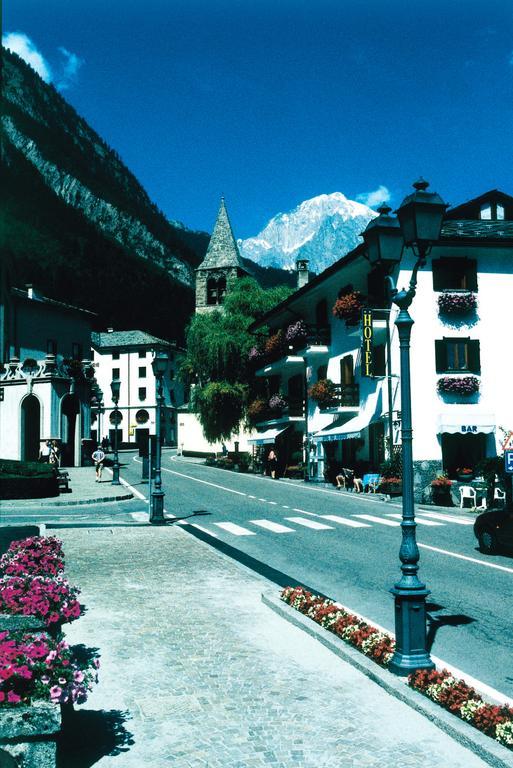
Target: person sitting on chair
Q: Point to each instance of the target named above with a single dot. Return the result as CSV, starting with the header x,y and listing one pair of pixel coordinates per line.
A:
x,y
345,479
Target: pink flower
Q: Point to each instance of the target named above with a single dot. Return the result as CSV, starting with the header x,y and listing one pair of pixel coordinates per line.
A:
x,y
78,676
13,698
55,692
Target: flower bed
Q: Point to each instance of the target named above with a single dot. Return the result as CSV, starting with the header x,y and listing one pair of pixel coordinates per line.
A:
x,y
462,700
35,556
458,385
456,303
37,667
440,686
51,599
330,615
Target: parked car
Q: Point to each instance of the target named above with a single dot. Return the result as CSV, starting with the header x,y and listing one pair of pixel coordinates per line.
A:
x,y
494,531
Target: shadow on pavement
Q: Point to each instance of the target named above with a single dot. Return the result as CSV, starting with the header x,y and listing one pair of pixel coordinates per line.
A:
x,y
437,622
88,735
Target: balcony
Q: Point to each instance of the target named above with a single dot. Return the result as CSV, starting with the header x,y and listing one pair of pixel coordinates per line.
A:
x,y
346,397
293,411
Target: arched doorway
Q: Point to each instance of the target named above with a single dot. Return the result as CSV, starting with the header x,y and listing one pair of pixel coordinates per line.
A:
x,y
70,408
30,428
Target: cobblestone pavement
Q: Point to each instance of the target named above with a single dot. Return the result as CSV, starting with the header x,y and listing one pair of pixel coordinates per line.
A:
x,y
204,675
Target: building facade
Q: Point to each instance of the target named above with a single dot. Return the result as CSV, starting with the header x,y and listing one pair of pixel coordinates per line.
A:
x,y
45,375
461,367
127,356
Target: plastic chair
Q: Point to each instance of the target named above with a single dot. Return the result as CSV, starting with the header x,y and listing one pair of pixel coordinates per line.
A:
x,y
467,492
499,495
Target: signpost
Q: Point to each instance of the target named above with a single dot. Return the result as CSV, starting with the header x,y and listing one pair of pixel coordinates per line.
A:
x,y
508,462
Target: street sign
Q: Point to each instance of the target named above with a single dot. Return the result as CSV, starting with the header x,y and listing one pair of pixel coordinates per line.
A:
x,y
508,443
508,462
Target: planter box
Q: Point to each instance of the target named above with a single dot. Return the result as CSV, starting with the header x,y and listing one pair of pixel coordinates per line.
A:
x,y
18,623
28,735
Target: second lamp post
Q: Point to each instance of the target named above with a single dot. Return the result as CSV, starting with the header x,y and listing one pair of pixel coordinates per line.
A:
x,y
115,387
159,365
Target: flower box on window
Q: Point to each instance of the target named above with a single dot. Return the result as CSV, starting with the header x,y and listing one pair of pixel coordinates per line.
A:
x,y
324,392
457,303
458,385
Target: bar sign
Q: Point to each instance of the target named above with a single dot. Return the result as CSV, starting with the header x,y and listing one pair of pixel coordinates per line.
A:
x,y
368,331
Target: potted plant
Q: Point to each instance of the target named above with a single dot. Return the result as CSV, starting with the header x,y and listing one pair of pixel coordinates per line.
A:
x,y
458,385
324,393
456,303
464,473
348,307
393,486
296,334
441,491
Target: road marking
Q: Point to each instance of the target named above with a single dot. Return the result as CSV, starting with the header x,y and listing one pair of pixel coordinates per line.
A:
x,y
270,526
284,506
264,500
251,497
379,520
127,485
310,523
469,559
304,512
446,518
205,482
418,519
237,530
272,502
205,530
345,521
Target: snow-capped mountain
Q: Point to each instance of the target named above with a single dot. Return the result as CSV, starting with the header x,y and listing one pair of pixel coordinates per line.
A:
x,y
322,230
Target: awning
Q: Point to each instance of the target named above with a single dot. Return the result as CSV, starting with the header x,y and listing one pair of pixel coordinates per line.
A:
x,y
269,436
347,431
465,421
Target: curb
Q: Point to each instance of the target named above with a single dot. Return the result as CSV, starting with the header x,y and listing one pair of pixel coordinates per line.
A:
x,y
483,746
100,500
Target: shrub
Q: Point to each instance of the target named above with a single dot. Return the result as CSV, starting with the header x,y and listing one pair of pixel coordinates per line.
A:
x,y
456,303
348,307
458,385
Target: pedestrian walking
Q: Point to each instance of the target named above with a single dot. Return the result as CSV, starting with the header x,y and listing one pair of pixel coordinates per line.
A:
x,y
272,461
44,453
55,454
105,443
98,457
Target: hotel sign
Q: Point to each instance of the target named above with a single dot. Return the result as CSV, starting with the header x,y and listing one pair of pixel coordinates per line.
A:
x,y
367,338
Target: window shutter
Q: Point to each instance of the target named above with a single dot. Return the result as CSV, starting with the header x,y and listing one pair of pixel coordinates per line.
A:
x,y
474,357
471,275
440,356
437,278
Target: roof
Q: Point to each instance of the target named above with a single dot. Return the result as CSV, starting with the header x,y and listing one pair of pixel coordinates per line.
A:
x,y
471,209
477,229
127,339
37,298
222,250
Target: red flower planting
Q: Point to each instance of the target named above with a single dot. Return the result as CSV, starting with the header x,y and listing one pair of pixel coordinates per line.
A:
x,y
51,599
36,667
35,556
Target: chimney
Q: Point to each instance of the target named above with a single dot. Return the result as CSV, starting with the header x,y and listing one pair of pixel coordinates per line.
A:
x,y
302,272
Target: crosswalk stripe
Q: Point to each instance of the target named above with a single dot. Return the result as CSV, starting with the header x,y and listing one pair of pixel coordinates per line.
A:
x,y
446,518
205,530
271,526
418,519
345,521
237,530
310,523
379,520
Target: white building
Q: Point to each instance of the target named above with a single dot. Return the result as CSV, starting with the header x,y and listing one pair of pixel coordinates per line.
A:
x,y
44,375
127,356
472,263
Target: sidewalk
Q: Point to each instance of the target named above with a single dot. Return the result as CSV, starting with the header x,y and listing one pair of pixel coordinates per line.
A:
x,y
196,671
84,490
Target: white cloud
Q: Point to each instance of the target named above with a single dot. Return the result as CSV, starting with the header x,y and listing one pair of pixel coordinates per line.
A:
x,y
375,198
72,64
21,44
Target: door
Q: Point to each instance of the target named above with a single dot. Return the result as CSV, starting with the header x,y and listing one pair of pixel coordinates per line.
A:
x,y
462,451
30,428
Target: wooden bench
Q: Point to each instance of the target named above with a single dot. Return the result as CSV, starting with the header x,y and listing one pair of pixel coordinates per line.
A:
x,y
63,480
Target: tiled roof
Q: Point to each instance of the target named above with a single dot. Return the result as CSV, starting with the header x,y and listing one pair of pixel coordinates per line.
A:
x,y
222,250
477,229
21,294
127,339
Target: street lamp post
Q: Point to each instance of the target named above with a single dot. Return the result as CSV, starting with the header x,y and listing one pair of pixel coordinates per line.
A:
x,y
115,387
419,223
159,365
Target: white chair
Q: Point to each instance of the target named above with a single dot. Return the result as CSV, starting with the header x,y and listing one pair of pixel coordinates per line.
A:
x,y
467,492
499,495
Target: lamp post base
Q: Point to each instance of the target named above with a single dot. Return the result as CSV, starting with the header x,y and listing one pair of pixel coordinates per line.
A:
x,y
115,474
410,631
157,508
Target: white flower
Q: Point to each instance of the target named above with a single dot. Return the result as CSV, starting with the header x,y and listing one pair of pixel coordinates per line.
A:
x,y
469,708
504,733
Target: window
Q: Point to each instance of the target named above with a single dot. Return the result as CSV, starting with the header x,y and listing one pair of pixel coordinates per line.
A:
x,y
322,372
454,355
142,353
115,355
51,347
379,360
216,290
115,373
454,274
321,314
491,211
76,351
347,370
142,372
142,393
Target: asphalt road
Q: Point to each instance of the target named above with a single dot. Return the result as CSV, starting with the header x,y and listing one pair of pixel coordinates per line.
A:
x,y
340,545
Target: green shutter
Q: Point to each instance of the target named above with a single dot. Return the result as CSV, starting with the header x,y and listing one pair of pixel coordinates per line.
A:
x,y
471,275
440,356
474,357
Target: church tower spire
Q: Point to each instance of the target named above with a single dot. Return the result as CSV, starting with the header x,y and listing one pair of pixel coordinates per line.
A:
x,y
221,267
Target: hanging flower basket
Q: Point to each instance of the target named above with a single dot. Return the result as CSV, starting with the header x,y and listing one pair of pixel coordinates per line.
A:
x,y
458,385
323,392
296,334
349,307
277,402
275,345
255,355
257,410
456,303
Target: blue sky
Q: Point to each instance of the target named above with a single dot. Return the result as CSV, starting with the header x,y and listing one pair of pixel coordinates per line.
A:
x,y
273,102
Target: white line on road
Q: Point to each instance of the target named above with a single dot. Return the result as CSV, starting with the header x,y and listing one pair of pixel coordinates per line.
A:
x,y
251,497
345,521
237,530
446,518
418,519
270,526
310,523
469,559
205,482
205,530
380,520
272,502
304,512
284,506
264,500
